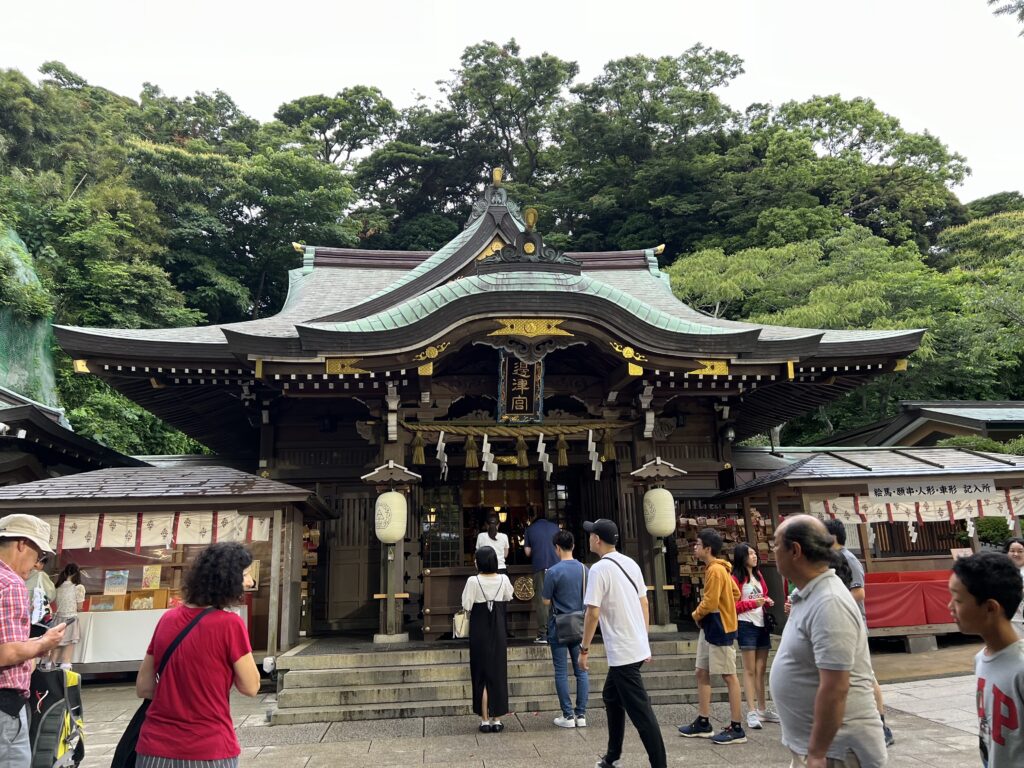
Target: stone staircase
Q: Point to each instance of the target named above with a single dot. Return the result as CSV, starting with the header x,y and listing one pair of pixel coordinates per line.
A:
x,y
320,683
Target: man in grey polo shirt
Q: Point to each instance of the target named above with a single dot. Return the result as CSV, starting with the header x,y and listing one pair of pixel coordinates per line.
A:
x,y
821,679
858,586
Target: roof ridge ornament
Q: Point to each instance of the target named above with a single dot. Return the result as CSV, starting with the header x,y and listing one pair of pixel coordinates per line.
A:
x,y
494,195
529,248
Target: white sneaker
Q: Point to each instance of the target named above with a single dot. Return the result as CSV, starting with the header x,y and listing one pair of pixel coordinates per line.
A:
x,y
753,721
768,715
565,722
581,722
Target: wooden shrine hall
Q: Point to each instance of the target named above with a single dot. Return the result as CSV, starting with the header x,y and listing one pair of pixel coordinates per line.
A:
x,y
508,376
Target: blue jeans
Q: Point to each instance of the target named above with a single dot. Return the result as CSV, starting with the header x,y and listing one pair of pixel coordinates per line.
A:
x,y
558,654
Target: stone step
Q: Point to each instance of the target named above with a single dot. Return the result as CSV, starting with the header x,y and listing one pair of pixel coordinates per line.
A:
x,y
536,687
327,714
454,671
449,652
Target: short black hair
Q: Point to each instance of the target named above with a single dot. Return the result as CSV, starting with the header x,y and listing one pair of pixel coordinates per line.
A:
x,y
837,529
215,578
815,543
711,539
565,540
991,576
487,560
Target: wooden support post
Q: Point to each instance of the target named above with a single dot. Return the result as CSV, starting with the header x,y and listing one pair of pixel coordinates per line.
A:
x,y
390,566
273,621
661,615
748,522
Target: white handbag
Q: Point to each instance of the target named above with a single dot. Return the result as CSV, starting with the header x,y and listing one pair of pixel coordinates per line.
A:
x,y
460,624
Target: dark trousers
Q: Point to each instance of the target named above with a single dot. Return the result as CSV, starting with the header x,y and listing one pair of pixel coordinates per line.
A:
x,y
623,694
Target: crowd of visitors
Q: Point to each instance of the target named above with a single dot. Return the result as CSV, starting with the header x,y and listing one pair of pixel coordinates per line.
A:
x,y
825,694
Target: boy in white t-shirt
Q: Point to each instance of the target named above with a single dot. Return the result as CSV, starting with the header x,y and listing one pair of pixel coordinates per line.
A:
x,y
617,598
985,590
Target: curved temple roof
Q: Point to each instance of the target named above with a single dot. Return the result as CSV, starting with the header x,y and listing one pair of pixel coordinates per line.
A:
x,y
349,300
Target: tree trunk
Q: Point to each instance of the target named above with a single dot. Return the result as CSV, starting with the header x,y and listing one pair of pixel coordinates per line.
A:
x,y
259,295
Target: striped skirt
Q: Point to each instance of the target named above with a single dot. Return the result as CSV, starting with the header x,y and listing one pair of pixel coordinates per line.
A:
x,y
148,761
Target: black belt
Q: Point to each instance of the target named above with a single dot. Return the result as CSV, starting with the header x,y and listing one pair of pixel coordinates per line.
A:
x,y
12,701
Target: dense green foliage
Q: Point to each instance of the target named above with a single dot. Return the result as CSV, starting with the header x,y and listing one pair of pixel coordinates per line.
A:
x,y
826,213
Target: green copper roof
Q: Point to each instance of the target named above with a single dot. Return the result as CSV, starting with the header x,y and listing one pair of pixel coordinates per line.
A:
x,y
436,260
422,306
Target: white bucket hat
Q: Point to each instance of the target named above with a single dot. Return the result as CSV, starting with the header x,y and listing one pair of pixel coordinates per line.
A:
x,y
26,527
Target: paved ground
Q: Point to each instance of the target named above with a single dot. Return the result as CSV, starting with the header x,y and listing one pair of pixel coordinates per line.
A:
x,y
931,719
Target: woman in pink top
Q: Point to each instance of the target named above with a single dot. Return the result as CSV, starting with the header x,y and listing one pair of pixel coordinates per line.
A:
x,y
752,633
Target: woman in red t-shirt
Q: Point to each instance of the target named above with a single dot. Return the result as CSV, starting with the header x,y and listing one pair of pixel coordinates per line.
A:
x,y
190,717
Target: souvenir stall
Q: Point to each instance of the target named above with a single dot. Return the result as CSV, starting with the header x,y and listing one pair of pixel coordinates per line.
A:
x,y
909,512
134,533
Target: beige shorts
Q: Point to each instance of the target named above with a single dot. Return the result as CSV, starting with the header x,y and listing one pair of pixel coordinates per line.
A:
x,y
800,761
716,659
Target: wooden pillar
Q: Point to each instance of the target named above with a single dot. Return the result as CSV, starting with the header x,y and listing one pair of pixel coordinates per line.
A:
x,y
273,621
291,583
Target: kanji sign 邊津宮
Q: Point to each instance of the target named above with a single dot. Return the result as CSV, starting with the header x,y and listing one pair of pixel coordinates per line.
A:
x,y
521,391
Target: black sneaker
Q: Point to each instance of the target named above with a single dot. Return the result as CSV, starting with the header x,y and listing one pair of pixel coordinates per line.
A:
x,y
698,729
604,763
730,735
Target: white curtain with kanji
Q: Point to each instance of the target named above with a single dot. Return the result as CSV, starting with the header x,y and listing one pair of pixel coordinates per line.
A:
x,y
195,528
232,526
80,531
260,529
120,530
157,529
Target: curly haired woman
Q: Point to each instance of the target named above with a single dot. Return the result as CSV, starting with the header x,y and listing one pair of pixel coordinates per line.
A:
x,y
190,717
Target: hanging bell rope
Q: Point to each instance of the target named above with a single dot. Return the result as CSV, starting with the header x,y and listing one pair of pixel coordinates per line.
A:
x,y
563,451
521,458
472,459
608,446
417,450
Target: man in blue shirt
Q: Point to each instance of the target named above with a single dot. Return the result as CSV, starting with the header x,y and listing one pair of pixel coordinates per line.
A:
x,y
540,549
563,590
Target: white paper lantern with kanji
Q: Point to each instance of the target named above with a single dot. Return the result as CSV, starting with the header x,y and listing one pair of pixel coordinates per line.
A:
x,y
389,516
659,512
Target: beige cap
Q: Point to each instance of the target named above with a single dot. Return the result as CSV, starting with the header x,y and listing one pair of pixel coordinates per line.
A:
x,y
26,527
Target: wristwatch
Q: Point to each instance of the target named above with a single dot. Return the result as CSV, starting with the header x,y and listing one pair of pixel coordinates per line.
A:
x,y
584,649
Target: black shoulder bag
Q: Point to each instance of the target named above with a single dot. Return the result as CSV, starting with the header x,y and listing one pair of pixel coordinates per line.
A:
x,y
124,755
569,626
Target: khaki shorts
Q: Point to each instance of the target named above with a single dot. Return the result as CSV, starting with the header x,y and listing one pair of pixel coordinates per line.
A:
x,y
716,659
800,761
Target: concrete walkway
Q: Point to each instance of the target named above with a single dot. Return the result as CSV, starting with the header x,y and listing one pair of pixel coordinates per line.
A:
x,y
930,719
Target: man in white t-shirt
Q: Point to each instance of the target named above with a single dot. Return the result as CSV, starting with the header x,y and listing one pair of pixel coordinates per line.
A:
x,y
617,598
496,541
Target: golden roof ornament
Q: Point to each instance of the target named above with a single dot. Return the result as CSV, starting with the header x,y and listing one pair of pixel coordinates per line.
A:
x,y
530,217
496,175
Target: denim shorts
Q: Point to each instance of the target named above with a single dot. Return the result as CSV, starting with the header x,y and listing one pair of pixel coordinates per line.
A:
x,y
752,637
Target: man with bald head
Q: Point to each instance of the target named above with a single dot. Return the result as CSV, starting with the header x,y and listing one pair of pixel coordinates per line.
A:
x,y
821,680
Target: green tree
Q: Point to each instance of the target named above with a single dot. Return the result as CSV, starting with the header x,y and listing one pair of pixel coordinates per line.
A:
x,y
337,127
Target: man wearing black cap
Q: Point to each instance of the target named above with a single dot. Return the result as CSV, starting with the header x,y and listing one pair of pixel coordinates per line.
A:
x,y
24,539
617,598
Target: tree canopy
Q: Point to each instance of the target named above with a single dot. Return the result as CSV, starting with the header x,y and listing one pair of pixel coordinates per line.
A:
x,y
166,211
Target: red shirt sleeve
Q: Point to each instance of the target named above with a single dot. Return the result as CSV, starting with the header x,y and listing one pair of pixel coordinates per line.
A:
x,y
237,638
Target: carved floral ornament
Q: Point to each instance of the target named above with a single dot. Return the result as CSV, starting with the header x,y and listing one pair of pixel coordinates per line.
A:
x,y
530,327
628,352
432,352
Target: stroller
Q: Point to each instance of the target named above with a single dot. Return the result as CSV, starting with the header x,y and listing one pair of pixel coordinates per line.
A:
x,y
56,719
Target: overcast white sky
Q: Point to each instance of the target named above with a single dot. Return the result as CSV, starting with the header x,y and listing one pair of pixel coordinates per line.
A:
x,y
948,66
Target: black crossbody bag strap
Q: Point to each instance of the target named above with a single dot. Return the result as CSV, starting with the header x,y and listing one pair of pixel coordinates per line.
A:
x,y
177,641
623,572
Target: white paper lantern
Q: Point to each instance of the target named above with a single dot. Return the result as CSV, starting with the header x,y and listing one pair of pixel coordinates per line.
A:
x,y
389,515
659,512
